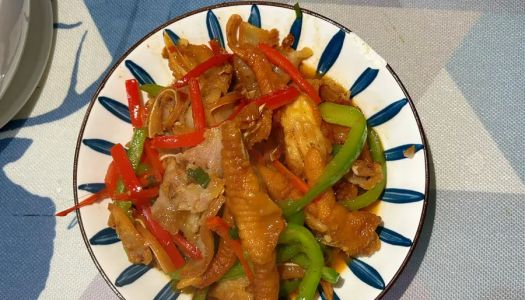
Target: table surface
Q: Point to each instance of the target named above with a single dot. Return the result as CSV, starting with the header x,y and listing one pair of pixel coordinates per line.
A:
x,y
461,61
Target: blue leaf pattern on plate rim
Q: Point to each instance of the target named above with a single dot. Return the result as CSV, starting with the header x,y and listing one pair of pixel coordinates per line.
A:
x,y
331,53
322,295
214,29
92,187
366,273
172,35
131,273
138,72
106,236
296,29
397,153
167,293
396,195
391,237
255,16
99,145
387,113
363,81
118,109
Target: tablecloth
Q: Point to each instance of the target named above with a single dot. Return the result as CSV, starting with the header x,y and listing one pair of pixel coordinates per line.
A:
x,y
461,61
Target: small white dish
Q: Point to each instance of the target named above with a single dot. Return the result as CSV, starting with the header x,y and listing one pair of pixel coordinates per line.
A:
x,y
33,60
14,22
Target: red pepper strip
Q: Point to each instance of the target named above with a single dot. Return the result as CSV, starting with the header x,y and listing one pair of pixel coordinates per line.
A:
x,y
154,160
176,141
111,178
139,198
211,62
101,195
297,182
273,101
277,99
124,169
282,62
145,179
134,103
197,108
216,47
219,226
186,247
164,237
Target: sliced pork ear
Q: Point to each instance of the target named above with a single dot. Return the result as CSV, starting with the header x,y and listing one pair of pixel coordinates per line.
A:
x,y
257,217
268,81
134,243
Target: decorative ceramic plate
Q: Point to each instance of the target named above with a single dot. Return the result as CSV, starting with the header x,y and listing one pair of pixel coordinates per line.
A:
x,y
338,53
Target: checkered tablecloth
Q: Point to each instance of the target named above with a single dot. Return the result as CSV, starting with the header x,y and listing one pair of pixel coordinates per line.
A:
x,y
463,63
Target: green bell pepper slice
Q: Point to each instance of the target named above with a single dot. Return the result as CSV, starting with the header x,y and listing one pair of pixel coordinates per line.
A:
x,y
341,115
327,274
152,89
136,146
378,155
295,234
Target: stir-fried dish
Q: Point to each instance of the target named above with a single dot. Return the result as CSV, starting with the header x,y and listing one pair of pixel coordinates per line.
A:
x,y
248,174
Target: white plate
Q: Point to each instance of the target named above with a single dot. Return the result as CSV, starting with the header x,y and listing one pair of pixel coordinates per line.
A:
x,y
14,21
33,61
375,87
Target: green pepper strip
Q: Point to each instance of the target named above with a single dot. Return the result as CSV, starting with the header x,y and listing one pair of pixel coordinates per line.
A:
x,y
287,287
341,115
287,252
143,169
327,273
336,148
136,146
152,89
309,246
200,294
236,271
378,155
297,219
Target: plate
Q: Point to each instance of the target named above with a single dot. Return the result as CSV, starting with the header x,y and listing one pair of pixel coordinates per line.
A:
x,y
338,53
14,21
33,61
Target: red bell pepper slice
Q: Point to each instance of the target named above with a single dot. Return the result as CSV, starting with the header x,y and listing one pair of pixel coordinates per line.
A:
x,y
177,141
211,62
124,169
152,156
138,198
219,226
187,248
101,195
197,108
134,103
278,99
282,62
216,47
297,182
164,237
111,178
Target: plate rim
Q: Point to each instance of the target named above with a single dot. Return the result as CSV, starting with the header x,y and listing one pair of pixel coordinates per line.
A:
x,y
110,72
